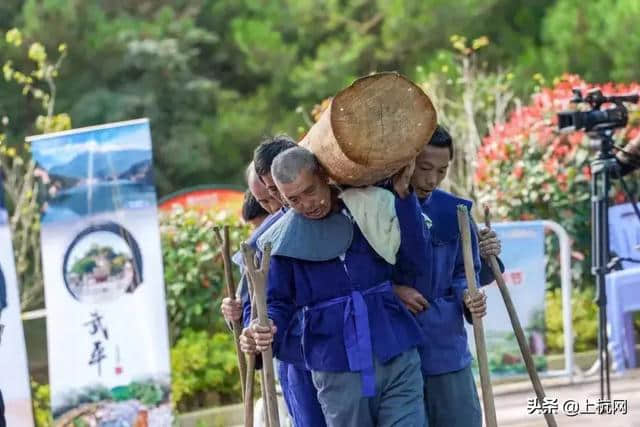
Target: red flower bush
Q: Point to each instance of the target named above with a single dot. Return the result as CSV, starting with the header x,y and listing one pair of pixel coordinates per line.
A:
x,y
526,169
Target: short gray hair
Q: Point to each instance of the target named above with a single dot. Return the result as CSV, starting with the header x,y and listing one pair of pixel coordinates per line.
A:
x,y
288,165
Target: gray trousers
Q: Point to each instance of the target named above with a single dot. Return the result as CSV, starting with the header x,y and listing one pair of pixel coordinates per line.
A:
x,y
399,399
451,400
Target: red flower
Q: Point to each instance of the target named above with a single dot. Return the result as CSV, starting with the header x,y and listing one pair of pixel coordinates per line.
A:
x,y
518,171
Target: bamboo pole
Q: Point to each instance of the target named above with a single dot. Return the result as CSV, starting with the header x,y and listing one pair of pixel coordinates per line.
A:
x,y
478,330
517,328
258,280
231,293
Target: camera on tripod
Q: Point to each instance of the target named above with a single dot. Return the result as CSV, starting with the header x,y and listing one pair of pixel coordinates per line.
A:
x,y
596,119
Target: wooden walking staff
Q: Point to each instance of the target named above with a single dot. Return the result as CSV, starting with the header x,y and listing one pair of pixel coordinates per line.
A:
x,y
231,293
251,370
478,330
263,387
258,280
517,328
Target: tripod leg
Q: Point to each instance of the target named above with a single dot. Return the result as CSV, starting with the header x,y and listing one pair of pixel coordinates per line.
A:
x,y
606,354
601,355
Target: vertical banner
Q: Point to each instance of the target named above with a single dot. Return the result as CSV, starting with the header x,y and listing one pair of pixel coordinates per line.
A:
x,y
14,373
524,261
106,312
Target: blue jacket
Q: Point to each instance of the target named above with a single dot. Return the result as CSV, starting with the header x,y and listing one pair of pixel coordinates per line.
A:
x,y
243,286
350,313
445,349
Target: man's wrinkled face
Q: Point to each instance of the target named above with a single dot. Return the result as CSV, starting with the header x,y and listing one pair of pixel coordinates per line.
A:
x,y
431,169
262,195
309,194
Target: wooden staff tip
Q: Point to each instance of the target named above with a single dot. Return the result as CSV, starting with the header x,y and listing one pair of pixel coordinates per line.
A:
x,y
487,215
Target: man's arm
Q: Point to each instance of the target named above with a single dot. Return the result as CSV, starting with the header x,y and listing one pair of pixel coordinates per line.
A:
x,y
414,240
488,245
459,282
280,297
239,308
629,159
280,309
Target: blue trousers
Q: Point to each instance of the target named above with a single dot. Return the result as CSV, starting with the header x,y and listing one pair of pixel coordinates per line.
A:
x,y
451,400
399,400
300,396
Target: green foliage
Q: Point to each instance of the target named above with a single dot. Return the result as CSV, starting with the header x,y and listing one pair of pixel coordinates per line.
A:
x,y
526,170
149,393
584,320
585,38
214,76
204,369
193,269
470,100
30,75
41,395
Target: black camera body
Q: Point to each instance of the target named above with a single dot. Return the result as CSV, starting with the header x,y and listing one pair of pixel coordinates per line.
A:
x,y
596,119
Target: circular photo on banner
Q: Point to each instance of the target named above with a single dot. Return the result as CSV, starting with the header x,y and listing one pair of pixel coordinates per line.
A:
x,y
102,263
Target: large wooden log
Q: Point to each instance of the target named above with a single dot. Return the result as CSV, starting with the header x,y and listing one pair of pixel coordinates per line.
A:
x,y
372,129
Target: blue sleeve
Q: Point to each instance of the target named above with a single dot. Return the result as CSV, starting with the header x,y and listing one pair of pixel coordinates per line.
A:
x,y
280,297
486,274
459,284
244,297
411,257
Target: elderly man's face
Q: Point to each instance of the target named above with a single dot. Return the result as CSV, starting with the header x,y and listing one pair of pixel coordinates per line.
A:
x,y
431,168
262,195
309,194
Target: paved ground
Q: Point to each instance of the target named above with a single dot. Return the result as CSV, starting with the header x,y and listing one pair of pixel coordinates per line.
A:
x,y
512,401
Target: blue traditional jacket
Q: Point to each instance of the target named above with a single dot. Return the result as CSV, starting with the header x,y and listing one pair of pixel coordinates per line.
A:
x,y
445,348
242,292
349,312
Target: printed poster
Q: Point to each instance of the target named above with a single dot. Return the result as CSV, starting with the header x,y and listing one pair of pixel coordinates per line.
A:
x,y
524,260
106,312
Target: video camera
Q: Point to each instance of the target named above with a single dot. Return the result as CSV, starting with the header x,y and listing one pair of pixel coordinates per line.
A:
x,y
596,119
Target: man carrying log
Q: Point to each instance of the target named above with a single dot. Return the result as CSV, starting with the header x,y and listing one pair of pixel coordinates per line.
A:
x,y
441,299
359,341
298,390
297,387
232,308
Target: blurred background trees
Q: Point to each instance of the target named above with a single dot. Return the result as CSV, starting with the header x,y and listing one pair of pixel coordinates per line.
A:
x,y
215,76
